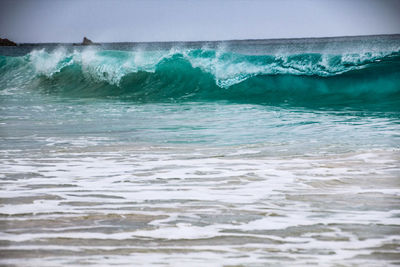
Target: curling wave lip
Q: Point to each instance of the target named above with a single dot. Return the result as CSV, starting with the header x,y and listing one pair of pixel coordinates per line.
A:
x,y
207,74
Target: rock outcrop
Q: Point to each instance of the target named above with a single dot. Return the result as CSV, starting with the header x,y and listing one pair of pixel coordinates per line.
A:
x,y
6,42
86,41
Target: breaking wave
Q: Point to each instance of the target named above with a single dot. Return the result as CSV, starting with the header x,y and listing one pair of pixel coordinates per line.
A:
x,y
206,74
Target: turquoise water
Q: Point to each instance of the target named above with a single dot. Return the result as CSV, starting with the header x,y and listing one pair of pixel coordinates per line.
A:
x,y
178,74
218,153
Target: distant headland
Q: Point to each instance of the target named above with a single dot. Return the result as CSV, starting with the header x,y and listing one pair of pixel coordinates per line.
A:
x,y
86,41
6,42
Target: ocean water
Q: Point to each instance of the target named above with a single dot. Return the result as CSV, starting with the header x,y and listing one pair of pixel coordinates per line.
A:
x,y
236,153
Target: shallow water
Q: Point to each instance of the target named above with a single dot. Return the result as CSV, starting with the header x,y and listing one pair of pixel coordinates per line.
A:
x,y
100,179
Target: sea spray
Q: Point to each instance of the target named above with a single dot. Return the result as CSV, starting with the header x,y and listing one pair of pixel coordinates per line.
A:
x,y
241,153
206,74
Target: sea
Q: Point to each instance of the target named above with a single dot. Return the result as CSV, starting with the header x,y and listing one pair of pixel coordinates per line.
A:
x,y
280,152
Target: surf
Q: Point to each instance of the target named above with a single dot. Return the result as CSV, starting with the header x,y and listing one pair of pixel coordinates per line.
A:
x,y
181,74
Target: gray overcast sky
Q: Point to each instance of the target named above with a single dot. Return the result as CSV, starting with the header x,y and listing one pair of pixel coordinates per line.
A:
x,y
180,20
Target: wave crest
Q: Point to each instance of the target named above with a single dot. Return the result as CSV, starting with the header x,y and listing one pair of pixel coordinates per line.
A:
x,y
226,68
206,74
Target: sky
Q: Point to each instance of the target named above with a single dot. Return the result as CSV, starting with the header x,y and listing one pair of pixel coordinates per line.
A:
x,y
193,20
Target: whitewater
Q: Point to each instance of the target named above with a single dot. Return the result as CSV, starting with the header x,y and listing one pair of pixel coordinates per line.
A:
x,y
235,153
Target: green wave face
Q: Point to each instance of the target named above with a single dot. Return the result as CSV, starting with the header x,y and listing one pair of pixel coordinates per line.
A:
x,y
306,79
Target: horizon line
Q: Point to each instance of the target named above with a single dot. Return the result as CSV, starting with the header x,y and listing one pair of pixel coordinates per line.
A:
x,y
222,40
